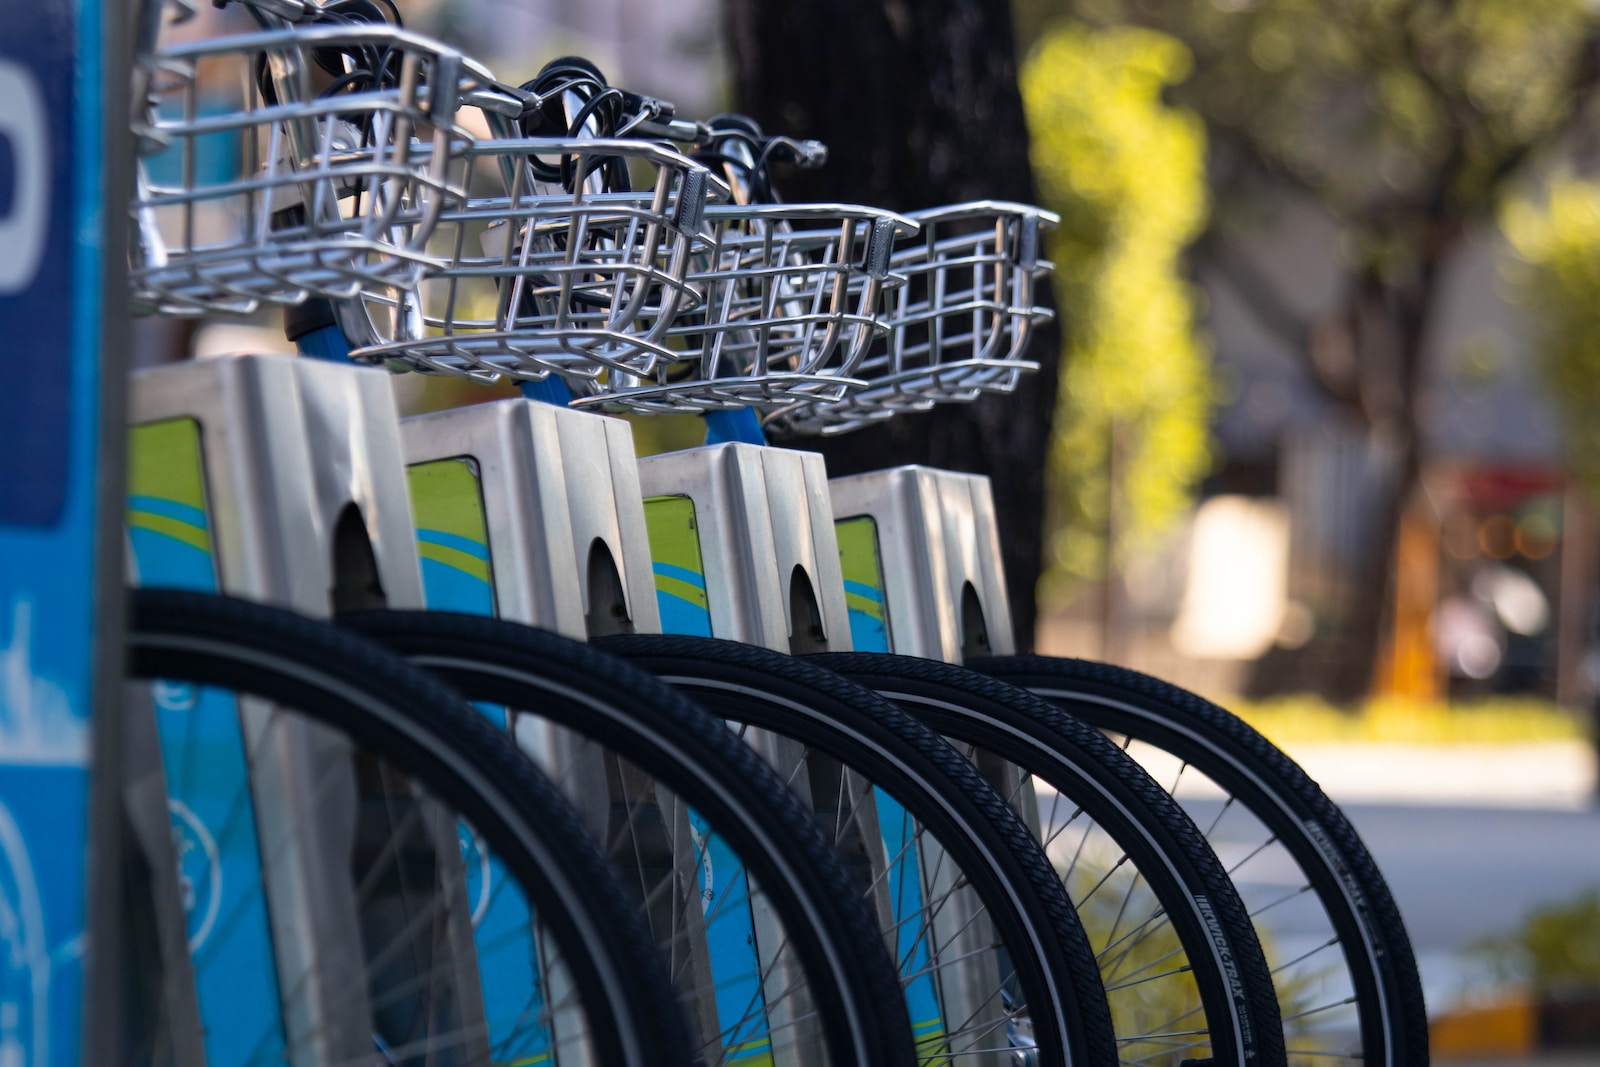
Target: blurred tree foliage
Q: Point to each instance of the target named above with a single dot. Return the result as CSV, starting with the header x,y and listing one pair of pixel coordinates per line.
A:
x,y
1555,949
1127,174
1558,278
1405,122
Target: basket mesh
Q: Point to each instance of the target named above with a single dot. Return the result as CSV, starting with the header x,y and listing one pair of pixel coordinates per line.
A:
x,y
790,302
311,183
958,328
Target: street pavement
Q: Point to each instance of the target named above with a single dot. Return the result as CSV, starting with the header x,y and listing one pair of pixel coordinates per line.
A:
x,y
1461,875
1468,843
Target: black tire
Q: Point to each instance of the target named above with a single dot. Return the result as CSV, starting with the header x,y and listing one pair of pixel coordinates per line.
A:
x,y
992,847
417,724
1167,849
627,711
1337,866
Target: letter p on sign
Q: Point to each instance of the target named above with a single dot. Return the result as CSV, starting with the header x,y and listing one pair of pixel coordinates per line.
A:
x,y
26,222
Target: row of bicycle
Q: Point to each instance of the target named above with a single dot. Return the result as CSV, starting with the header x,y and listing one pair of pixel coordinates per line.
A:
x,y
679,821
571,239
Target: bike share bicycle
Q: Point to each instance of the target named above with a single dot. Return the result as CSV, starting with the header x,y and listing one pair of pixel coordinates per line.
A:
x,y
367,584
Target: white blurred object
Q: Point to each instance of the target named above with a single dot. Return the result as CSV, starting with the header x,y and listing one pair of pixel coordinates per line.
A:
x,y
1234,601
228,338
1517,599
1467,638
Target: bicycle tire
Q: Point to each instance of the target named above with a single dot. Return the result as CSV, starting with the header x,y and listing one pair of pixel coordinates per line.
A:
x,y
1165,845
383,704
631,713
1342,873
992,847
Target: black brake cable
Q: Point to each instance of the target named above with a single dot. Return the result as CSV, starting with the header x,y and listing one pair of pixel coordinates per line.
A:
x,y
603,103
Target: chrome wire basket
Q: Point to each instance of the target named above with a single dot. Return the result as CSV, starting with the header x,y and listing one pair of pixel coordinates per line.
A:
x,y
791,300
958,328
327,177
582,274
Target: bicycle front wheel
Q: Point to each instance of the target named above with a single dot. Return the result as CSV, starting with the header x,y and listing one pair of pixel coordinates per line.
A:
x,y
1181,963
992,930
1347,980
488,927
819,962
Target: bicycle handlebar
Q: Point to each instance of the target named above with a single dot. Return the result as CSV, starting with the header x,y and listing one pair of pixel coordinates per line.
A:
x,y
808,154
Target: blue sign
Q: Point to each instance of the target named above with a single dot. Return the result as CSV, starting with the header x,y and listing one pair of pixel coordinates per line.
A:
x,y
51,229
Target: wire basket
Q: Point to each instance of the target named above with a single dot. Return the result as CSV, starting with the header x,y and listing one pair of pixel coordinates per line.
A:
x,y
960,325
581,271
791,302
326,179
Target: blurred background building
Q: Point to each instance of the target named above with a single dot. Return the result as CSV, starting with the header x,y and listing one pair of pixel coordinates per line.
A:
x,y
1499,533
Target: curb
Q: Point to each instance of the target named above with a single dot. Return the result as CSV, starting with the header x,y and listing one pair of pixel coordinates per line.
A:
x,y
1520,1026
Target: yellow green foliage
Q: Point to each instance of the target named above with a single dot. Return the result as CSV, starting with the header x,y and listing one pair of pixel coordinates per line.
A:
x,y
1127,174
1148,981
1556,948
1308,720
1147,974
1558,279
1386,112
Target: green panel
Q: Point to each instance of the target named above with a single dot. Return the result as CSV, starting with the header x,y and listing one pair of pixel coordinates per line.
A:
x,y
165,462
166,492
678,567
452,535
862,568
674,535
445,496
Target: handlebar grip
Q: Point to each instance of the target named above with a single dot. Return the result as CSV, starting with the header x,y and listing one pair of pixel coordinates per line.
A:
x,y
806,154
811,153
502,100
682,131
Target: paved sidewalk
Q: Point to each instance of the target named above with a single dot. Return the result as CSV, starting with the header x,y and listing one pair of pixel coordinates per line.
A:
x,y
1558,774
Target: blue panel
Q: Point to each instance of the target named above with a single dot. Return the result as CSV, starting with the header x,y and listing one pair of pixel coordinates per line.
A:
x,y
37,274
447,589
906,903
513,990
867,632
212,816
213,829
731,941
550,390
503,931
679,616
51,238
327,343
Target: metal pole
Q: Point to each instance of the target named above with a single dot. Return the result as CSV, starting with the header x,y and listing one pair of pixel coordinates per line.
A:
x,y
105,1030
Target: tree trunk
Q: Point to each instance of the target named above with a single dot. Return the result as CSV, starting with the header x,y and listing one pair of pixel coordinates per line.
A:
x,y
919,106
1408,310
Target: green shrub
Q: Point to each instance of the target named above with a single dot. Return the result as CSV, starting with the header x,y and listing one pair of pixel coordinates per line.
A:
x,y
1301,720
1556,948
